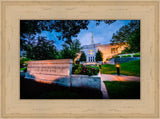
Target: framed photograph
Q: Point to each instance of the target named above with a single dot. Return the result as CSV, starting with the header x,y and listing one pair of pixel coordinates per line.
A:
x,y
79,59
67,61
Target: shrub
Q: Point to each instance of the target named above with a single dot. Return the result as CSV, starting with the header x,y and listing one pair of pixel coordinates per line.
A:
x,y
23,69
23,61
79,70
123,52
116,56
74,67
107,59
126,56
136,55
85,70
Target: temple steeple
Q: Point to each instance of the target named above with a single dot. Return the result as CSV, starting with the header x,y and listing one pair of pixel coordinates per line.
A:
x,y
92,39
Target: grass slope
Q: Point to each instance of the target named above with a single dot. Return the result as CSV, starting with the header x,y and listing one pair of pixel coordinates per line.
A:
x,y
131,68
123,90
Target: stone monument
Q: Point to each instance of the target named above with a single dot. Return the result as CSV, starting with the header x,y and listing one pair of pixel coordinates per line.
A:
x,y
47,71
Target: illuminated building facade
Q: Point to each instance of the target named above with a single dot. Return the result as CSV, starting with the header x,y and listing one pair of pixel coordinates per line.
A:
x,y
107,51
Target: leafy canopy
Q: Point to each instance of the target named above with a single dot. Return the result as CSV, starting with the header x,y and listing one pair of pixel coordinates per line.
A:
x,y
129,34
66,28
71,49
40,48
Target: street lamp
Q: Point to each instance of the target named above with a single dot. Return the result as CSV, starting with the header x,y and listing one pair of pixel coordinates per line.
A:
x,y
118,70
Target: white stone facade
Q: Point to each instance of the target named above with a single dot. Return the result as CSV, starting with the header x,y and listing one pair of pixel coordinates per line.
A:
x,y
107,51
90,51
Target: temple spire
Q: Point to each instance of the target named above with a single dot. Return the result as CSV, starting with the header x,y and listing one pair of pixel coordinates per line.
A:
x,y
92,39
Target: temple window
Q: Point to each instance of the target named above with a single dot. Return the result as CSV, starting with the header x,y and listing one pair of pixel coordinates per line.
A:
x,y
114,50
91,52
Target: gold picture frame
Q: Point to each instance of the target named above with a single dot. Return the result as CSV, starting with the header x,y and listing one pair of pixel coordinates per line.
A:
x,y
12,11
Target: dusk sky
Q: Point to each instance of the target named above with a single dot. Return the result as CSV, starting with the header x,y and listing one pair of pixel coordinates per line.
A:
x,y
101,33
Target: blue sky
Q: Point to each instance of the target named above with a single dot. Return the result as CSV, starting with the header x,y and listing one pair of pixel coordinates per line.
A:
x,y
101,33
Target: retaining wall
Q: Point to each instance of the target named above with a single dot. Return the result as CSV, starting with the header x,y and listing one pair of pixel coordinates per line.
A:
x,y
86,81
126,59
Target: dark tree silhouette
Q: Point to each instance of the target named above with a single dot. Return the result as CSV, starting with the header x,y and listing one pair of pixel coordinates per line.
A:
x,y
66,28
71,49
129,34
40,48
83,57
99,56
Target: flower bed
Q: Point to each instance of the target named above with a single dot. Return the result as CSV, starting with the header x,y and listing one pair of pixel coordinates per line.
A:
x,y
85,69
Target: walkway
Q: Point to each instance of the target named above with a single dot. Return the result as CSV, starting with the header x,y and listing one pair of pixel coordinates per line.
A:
x,y
104,90
109,77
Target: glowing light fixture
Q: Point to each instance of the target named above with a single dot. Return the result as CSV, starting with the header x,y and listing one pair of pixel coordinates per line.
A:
x,y
118,69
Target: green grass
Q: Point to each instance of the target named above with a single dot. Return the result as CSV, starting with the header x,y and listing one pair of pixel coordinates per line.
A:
x,y
131,68
123,90
23,69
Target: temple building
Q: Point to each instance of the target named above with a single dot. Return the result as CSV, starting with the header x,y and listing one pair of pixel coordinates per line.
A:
x,y
107,51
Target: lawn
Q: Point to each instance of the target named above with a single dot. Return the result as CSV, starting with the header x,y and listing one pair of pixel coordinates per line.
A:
x,y
123,90
131,68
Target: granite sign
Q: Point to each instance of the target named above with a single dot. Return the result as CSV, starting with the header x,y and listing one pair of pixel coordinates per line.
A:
x,y
49,70
59,72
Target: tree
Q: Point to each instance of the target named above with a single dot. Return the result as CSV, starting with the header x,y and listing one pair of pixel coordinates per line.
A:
x,y
67,29
71,49
134,42
105,21
32,27
99,56
40,48
83,57
70,28
129,34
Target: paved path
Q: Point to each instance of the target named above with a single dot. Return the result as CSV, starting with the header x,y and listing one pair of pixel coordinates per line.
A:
x,y
104,90
109,77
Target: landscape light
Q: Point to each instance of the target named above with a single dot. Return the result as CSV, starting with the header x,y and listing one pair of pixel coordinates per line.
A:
x,y
118,70
117,65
